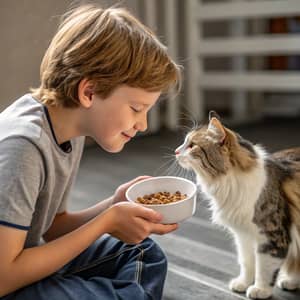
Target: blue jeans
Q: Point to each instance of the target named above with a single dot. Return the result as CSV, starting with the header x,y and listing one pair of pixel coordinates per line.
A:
x,y
107,270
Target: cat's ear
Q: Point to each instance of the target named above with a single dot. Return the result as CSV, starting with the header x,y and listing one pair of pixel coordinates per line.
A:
x,y
213,114
217,129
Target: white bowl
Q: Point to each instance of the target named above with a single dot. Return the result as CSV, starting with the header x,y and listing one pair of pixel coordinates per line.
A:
x,y
172,212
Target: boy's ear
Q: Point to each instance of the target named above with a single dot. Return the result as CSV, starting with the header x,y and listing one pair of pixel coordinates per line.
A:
x,y
217,129
85,92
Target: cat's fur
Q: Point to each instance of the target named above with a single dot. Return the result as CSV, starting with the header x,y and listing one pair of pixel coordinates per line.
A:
x,y
256,196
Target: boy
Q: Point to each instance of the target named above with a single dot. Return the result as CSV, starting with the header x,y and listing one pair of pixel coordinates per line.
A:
x,y
101,74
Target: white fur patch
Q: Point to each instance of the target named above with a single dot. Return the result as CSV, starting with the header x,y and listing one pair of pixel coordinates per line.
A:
x,y
234,195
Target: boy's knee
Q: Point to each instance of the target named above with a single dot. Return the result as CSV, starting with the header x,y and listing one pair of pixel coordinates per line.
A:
x,y
154,252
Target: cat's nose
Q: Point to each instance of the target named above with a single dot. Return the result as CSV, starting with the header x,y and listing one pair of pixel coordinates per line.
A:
x,y
178,150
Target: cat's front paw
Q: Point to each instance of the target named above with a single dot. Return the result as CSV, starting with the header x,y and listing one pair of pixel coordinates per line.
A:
x,y
239,285
287,284
255,292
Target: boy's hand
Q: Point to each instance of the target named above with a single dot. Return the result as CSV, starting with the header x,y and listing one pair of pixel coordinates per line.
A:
x,y
132,223
119,195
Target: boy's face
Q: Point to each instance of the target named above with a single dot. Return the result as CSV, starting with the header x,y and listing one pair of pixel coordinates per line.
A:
x,y
113,121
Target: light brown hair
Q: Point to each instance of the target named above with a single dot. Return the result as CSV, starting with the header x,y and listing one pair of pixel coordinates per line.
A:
x,y
110,47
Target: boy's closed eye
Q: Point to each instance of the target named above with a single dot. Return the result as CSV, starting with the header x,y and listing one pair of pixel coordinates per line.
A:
x,y
138,107
135,109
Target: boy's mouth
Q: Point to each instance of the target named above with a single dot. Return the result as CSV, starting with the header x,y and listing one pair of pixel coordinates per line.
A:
x,y
127,136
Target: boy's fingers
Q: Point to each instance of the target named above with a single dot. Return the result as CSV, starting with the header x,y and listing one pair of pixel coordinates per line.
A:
x,y
164,228
148,214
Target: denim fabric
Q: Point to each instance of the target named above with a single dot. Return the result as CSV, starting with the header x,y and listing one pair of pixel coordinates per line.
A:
x,y
109,269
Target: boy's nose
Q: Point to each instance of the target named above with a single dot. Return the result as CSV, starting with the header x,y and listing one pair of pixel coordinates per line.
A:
x,y
141,125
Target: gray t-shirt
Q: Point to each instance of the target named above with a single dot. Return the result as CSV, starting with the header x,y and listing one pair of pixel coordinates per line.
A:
x,y
36,174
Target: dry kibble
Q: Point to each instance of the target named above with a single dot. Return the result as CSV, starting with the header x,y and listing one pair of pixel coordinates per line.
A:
x,y
161,198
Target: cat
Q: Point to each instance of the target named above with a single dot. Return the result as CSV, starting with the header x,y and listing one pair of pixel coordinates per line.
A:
x,y
254,194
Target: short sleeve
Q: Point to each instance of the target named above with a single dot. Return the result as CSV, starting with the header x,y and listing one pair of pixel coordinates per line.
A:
x,y
78,146
63,205
21,180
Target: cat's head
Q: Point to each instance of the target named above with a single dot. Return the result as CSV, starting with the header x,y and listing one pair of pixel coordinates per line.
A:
x,y
214,150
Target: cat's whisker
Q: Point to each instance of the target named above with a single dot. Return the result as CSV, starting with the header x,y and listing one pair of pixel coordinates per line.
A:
x,y
184,128
170,170
179,171
170,161
188,117
173,168
186,173
169,155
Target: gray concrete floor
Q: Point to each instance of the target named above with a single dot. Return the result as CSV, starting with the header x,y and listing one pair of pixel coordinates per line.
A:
x,y
201,257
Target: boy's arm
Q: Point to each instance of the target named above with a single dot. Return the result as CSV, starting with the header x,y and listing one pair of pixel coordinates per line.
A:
x,y
68,221
20,267
128,222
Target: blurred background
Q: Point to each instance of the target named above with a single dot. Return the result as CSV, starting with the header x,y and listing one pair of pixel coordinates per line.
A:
x,y
240,58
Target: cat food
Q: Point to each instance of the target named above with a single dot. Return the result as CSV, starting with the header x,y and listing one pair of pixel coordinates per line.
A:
x,y
161,198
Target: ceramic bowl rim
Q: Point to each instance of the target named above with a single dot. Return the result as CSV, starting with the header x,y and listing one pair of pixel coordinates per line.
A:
x,y
163,177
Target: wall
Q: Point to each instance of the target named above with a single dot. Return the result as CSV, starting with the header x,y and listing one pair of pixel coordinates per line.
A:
x,y
26,28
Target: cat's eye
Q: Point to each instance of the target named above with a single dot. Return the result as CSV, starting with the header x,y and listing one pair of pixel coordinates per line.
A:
x,y
191,145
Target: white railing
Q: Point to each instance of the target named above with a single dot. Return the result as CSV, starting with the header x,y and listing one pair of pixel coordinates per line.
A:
x,y
237,45
168,28
245,9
